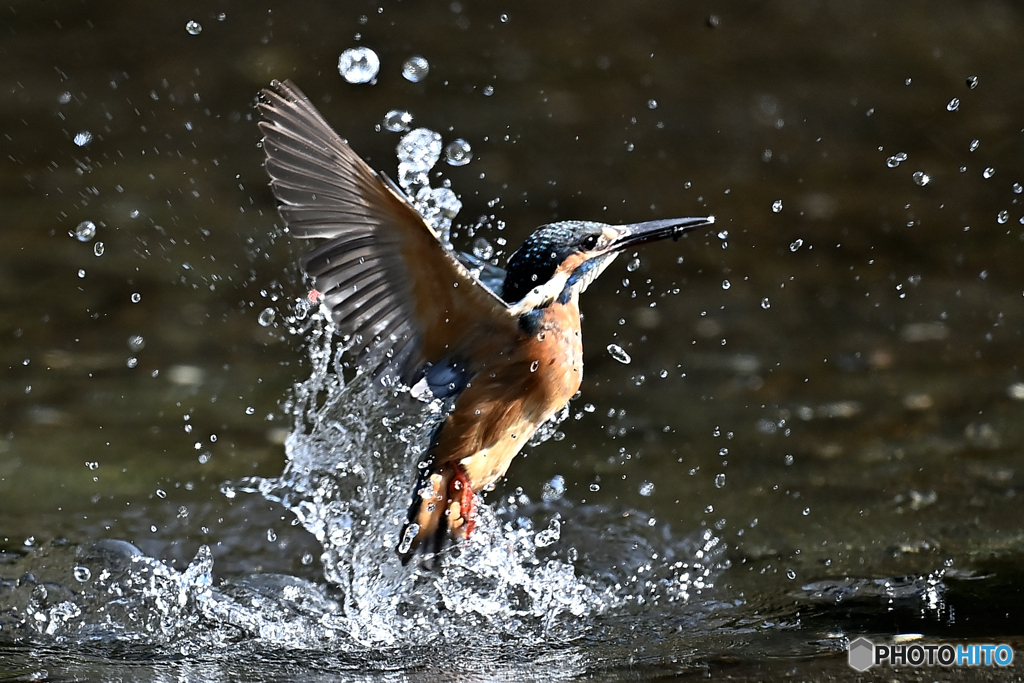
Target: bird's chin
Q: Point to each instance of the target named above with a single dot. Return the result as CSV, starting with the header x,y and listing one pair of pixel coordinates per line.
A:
x,y
597,266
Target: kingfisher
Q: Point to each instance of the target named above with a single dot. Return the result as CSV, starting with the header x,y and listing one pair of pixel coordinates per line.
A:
x,y
500,347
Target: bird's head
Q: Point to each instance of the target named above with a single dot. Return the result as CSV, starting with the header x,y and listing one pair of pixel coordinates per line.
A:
x,y
559,260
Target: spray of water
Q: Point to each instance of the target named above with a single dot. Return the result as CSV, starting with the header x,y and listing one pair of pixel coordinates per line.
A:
x,y
351,460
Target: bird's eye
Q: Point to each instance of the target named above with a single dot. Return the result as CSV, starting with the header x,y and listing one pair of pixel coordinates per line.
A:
x,y
589,242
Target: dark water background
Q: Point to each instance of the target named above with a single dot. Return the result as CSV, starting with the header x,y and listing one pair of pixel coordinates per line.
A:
x,y
851,363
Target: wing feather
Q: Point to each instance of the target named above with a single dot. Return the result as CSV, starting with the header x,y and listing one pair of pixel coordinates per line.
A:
x,y
385,275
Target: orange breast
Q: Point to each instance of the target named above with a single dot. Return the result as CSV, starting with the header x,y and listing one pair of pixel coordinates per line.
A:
x,y
515,391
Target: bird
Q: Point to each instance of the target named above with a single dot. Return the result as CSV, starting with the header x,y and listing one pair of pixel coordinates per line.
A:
x,y
501,348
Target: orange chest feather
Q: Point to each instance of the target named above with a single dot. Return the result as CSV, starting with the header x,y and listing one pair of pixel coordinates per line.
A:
x,y
516,391
554,350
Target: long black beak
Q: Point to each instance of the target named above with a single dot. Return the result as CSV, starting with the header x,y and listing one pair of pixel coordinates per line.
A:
x,y
650,231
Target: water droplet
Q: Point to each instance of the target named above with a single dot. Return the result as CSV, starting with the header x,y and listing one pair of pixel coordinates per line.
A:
x,y
1003,216
415,69
953,105
359,65
550,535
726,284
64,97
160,493
266,317
790,574
407,537
503,18
722,452
194,28
83,138
988,173
720,480
249,410
921,178
136,297
85,231
482,249
1018,188
788,460
595,487
652,104
92,465
619,354
397,120
777,206
271,535
136,343
972,82
647,489
806,511
81,273
438,206
765,303
82,574
98,249
458,153
974,145
633,265
796,244
896,159
534,365
417,151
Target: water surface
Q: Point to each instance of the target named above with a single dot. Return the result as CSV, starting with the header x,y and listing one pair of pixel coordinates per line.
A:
x,y
817,436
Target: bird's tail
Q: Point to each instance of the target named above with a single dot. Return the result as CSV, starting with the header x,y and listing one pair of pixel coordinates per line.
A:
x,y
442,506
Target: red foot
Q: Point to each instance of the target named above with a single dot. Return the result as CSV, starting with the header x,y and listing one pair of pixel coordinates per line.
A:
x,y
314,296
466,502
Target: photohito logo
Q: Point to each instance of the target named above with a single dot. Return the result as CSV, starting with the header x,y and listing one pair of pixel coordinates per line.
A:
x,y
864,654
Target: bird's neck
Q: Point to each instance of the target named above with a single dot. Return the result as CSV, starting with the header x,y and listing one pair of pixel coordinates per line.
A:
x,y
537,320
544,295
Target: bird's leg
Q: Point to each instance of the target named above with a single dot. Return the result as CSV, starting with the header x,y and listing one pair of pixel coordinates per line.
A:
x,y
462,509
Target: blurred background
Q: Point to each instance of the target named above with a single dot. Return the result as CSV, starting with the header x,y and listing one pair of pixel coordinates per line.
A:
x,y
830,380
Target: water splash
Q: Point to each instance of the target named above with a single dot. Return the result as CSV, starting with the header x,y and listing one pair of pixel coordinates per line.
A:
x,y
526,579
350,469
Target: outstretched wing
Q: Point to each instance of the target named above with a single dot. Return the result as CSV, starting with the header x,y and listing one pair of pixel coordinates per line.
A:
x,y
389,282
